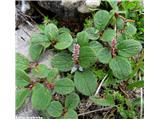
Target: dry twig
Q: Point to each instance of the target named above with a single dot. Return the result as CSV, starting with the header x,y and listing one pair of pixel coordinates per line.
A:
x,y
89,112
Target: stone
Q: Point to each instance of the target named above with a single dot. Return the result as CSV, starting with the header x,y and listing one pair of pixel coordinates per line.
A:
x,y
27,112
69,8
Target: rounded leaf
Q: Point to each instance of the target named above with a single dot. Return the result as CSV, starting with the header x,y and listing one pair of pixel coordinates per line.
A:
x,y
85,82
55,109
87,57
109,101
121,67
52,74
96,46
104,55
41,97
121,37
129,48
70,114
63,30
21,96
22,79
40,39
62,61
72,101
131,29
51,31
35,51
64,86
21,62
82,38
93,34
108,35
40,71
120,23
64,40
101,19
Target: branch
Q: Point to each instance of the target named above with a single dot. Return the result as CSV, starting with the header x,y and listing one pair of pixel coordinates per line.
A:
x,y
99,87
101,109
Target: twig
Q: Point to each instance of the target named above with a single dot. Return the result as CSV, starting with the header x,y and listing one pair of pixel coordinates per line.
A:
x,y
25,17
141,108
99,87
101,109
39,11
26,32
125,19
121,89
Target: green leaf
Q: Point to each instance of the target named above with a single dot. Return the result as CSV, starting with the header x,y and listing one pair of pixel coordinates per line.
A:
x,y
108,35
64,40
113,4
64,86
101,19
121,37
85,82
63,61
120,67
40,71
70,48
87,57
22,75
22,79
63,30
120,23
137,84
55,109
51,31
93,34
100,73
82,38
52,74
35,51
111,15
96,46
21,62
129,48
40,39
21,83
21,96
70,114
131,29
108,101
104,55
41,97
72,101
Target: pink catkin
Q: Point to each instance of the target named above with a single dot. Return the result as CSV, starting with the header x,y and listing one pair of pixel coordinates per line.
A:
x,y
113,47
75,55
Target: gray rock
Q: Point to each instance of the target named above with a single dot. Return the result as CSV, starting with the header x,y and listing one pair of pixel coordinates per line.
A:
x,y
69,8
27,112
62,10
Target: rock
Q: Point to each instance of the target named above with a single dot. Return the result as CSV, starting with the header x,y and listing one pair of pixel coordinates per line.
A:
x,y
93,3
27,112
69,8
62,10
